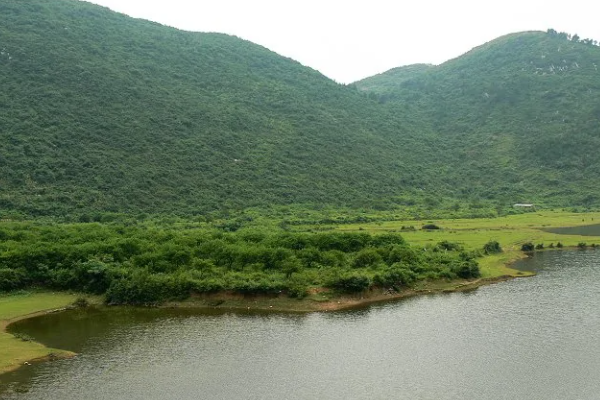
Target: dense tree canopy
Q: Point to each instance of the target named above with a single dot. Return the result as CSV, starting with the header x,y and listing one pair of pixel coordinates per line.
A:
x,y
150,263
103,113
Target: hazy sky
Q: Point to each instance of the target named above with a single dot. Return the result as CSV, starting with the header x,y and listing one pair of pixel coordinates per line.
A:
x,y
349,40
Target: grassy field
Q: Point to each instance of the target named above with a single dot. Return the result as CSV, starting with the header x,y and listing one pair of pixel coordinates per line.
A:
x,y
510,231
14,351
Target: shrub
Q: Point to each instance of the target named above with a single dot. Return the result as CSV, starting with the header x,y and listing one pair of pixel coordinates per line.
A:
x,y
94,276
367,258
310,257
350,283
298,291
449,246
539,246
387,239
582,245
257,285
559,245
146,289
492,247
292,241
211,285
527,247
345,242
430,227
12,279
404,254
335,258
274,259
467,270
446,273
396,275
81,302
23,336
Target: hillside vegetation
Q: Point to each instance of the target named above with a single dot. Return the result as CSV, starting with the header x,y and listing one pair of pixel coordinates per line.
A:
x,y
102,113
520,115
150,263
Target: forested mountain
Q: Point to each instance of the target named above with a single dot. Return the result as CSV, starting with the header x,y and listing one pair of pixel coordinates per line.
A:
x,y
521,113
100,112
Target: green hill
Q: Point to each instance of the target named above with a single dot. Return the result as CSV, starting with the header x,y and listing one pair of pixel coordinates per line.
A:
x,y
393,79
101,112
521,114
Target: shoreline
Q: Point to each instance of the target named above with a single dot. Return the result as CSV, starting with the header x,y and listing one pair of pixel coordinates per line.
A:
x,y
52,353
242,303
17,352
512,231
281,304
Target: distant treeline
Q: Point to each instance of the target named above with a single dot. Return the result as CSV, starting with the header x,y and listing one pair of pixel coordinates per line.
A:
x,y
148,263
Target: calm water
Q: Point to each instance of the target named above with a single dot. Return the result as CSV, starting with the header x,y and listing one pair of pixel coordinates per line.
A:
x,y
532,338
586,230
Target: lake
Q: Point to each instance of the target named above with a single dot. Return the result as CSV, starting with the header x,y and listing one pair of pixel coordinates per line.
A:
x,y
529,338
586,230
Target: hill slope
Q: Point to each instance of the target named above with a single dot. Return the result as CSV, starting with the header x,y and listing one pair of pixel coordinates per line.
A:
x,y
521,113
101,112
104,112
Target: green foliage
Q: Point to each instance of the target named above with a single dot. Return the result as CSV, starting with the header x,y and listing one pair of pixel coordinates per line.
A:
x,y
449,246
12,279
81,302
151,262
405,254
517,118
527,247
492,247
23,336
396,276
351,283
467,269
104,114
367,258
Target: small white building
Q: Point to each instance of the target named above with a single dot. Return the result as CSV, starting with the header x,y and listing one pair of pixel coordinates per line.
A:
x,y
523,205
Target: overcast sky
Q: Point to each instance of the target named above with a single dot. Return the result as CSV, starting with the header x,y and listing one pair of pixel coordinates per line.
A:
x,y
349,40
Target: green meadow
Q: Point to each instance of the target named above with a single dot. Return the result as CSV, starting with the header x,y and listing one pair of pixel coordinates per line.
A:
x,y
510,231
15,351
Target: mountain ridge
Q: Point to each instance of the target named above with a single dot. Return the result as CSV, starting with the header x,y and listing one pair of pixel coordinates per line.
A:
x,y
106,113
128,112
533,91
